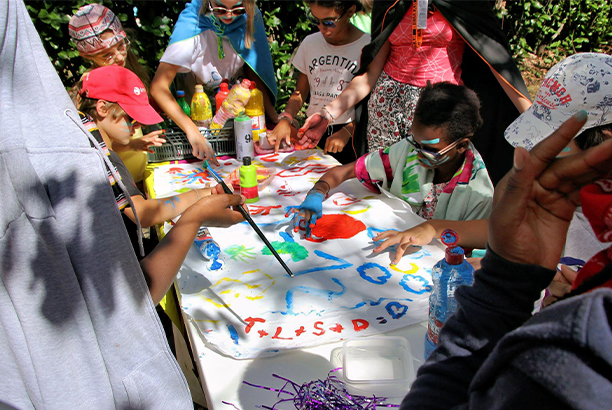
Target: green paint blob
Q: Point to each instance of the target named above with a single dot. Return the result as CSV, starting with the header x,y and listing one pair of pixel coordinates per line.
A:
x,y
297,251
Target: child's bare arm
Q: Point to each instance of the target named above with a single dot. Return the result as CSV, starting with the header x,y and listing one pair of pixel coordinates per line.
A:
x,y
161,266
155,211
472,234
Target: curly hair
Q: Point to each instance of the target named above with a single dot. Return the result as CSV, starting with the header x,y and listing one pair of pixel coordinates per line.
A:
x,y
455,108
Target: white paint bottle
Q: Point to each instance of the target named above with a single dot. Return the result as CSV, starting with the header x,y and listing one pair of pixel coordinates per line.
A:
x,y
243,131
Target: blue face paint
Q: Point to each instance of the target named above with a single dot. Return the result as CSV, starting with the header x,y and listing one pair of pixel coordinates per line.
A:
x,y
431,142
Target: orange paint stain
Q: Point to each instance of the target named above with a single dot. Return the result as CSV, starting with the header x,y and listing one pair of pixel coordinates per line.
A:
x,y
336,226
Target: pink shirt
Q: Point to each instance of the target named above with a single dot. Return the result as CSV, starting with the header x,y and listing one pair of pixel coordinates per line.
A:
x,y
438,59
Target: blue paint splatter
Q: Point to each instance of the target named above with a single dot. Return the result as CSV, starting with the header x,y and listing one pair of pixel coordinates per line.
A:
x,y
379,280
396,309
343,264
427,287
233,333
322,293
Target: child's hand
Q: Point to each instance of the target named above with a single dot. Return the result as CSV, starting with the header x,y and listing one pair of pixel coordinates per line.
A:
x,y
337,141
280,133
143,143
560,285
219,210
201,147
307,213
418,236
312,130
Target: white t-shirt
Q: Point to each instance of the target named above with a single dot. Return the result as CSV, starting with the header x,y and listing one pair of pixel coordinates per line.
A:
x,y
199,55
329,69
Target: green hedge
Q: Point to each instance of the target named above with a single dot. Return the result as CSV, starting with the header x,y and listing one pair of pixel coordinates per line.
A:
x,y
553,29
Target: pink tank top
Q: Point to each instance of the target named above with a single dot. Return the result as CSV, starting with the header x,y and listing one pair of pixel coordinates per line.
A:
x,y
438,59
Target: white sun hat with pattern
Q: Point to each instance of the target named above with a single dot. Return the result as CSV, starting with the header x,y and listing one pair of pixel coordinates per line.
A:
x,y
579,82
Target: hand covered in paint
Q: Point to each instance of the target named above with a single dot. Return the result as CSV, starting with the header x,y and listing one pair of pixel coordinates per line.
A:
x,y
143,143
307,213
312,130
417,236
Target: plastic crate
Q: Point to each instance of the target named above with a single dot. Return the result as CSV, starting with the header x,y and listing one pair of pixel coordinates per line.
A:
x,y
177,145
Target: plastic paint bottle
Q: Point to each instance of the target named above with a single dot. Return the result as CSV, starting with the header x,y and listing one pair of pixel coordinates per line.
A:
x,y
243,131
237,98
248,181
209,249
180,99
201,112
448,274
256,111
221,94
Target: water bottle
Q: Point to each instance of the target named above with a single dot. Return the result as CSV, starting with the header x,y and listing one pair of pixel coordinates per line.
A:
x,y
248,181
243,132
447,275
256,111
221,94
201,112
180,99
209,249
234,103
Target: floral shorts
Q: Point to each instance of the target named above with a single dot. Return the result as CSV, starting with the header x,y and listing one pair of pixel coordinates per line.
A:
x,y
390,111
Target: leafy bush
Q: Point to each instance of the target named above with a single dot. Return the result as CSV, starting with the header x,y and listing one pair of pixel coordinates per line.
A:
x,y
551,28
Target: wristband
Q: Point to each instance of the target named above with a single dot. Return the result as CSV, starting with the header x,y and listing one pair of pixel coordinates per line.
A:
x,y
285,115
326,183
329,113
197,193
349,133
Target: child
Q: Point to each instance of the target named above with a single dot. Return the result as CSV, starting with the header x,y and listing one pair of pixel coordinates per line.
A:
x,y
326,62
101,40
436,169
215,39
114,103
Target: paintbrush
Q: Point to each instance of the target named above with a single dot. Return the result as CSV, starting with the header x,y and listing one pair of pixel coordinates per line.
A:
x,y
248,218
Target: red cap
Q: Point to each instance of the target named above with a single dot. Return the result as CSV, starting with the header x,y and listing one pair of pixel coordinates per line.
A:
x,y
119,85
454,255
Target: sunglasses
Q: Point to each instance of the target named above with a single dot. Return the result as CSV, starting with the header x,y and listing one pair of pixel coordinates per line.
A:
x,y
122,48
329,22
433,158
222,11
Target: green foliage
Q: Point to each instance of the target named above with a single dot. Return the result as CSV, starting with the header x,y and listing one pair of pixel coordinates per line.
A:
x,y
552,29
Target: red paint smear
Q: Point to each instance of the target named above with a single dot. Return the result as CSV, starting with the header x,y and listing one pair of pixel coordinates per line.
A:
x,y
336,226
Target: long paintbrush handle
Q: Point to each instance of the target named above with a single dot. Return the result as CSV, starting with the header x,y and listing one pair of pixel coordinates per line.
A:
x,y
250,220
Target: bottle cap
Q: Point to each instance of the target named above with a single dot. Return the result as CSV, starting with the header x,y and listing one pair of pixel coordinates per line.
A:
x,y
246,161
246,83
253,86
180,93
242,117
199,88
224,86
449,237
454,255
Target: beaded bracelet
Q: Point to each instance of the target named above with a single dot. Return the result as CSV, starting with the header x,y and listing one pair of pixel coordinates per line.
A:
x,y
326,183
330,114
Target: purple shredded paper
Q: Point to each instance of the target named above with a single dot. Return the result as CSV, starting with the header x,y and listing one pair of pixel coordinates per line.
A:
x,y
328,394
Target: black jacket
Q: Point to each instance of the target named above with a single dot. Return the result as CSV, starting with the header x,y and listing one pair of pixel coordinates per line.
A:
x,y
493,354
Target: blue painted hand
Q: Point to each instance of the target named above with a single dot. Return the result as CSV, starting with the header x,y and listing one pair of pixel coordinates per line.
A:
x,y
307,214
